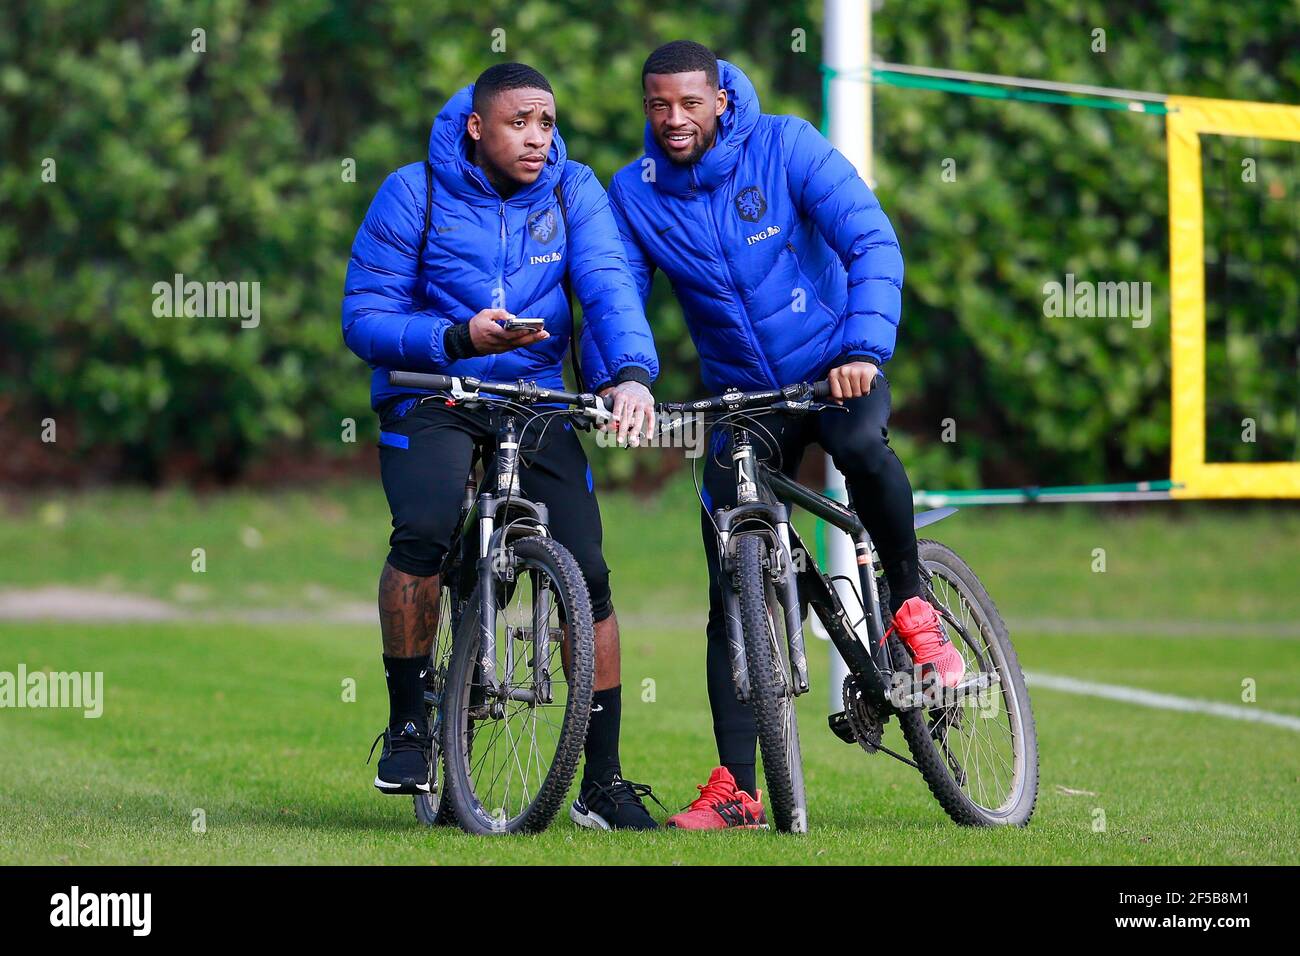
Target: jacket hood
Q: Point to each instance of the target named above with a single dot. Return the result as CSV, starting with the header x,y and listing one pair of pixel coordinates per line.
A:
x,y
449,155
734,128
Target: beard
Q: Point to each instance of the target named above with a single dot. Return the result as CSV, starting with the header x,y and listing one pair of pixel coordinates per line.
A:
x,y
706,143
690,159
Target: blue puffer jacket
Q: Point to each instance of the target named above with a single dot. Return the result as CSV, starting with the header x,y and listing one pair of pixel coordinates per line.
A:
x,y
396,310
780,255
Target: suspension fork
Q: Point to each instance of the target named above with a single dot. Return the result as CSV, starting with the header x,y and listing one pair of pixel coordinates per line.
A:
x,y
742,454
507,487
541,640
487,610
782,568
789,585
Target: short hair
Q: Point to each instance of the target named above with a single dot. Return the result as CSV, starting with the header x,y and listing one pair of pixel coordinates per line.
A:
x,y
503,77
682,56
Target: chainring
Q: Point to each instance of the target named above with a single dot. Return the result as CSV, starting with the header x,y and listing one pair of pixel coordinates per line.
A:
x,y
867,726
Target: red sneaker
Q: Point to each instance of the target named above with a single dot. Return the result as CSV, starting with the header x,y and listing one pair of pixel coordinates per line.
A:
x,y
720,806
926,639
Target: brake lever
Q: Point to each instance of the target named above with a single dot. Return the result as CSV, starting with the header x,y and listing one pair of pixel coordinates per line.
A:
x,y
597,414
589,416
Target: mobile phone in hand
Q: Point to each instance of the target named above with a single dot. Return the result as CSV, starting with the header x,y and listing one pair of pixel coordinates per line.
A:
x,y
520,323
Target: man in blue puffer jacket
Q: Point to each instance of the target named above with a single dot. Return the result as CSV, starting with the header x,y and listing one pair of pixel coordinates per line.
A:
x,y
449,251
787,270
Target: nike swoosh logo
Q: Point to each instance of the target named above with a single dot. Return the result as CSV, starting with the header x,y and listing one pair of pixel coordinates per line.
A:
x,y
665,229
442,229
597,708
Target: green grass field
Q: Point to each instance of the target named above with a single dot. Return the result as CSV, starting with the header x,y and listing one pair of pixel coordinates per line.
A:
x,y
233,705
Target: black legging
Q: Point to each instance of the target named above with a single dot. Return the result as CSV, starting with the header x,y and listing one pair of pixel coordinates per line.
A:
x,y
858,443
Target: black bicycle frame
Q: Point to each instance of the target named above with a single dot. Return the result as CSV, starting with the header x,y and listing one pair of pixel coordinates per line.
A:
x,y
796,575
869,661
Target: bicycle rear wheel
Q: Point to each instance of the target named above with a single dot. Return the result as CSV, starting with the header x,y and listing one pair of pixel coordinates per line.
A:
x,y
771,687
978,751
511,752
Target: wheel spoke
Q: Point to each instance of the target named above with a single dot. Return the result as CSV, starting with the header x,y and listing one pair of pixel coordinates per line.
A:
x,y
985,762
513,747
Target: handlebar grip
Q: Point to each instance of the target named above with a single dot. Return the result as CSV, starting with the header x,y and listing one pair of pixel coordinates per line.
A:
x,y
419,380
821,389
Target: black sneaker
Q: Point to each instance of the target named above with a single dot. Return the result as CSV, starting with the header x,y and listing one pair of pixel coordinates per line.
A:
x,y
404,762
613,806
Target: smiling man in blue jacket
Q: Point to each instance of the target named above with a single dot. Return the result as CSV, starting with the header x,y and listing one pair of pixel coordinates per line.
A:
x,y
787,270
450,249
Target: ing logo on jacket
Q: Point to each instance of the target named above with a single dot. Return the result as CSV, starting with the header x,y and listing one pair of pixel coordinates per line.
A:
x,y
750,204
541,225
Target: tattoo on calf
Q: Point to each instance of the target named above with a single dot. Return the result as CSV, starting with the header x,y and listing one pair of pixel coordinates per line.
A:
x,y
408,612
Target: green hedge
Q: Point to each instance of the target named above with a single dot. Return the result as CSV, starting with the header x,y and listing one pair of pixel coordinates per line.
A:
x,y
228,165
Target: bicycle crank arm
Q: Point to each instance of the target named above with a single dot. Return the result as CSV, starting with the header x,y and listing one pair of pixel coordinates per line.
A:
x,y
935,695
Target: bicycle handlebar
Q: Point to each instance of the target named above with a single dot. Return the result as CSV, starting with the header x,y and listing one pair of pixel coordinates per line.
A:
x,y
524,392
732,401
529,393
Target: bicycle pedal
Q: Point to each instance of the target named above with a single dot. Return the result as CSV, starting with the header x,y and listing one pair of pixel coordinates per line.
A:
x,y
840,727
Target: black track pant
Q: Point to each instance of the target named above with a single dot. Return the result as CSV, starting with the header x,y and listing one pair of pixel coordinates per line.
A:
x,y
858,443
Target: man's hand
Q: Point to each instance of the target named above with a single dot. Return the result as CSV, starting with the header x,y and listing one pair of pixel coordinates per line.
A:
x,y
490,337
851,380
632,405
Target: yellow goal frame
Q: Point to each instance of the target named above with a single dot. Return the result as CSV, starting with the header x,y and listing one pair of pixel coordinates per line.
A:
x,y
1187,119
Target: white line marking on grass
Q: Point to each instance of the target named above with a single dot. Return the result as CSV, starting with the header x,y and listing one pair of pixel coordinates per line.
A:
x,y
1157,627
1149,698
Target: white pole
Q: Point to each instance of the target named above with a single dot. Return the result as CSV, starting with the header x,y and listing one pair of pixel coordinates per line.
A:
x,y
846,50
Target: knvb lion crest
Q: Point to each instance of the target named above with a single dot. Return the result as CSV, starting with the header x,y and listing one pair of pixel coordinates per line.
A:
x,y
541,225
750,204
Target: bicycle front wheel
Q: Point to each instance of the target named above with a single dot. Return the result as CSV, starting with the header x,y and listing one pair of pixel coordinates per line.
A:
x,y
977,749
433,808
511,747
771,686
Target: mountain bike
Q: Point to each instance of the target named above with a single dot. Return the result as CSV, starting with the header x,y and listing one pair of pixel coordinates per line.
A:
x,y
975,745
512,668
